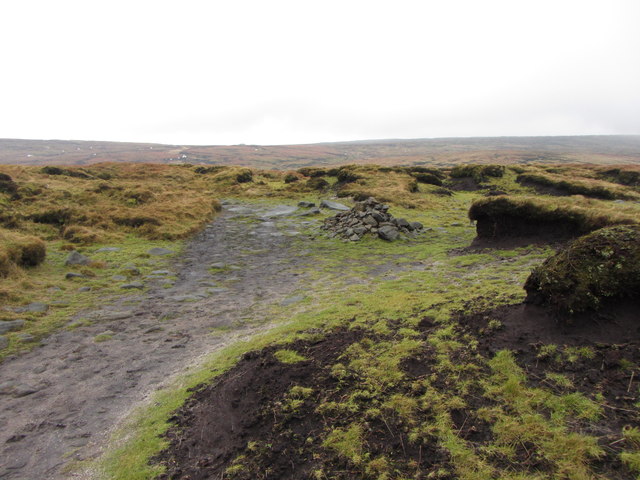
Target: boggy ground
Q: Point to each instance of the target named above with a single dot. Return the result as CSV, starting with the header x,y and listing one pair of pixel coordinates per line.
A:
x,y
440,385
58,402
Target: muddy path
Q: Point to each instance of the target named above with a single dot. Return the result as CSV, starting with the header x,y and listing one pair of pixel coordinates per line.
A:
x,y
60,401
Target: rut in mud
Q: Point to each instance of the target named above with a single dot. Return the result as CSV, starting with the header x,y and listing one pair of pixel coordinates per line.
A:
x,y
59,402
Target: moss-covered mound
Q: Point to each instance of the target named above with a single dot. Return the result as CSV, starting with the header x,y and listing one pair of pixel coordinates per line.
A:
x,y
508,216
594,269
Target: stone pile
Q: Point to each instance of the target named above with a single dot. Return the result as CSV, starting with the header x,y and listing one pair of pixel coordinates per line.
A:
x,y
369,216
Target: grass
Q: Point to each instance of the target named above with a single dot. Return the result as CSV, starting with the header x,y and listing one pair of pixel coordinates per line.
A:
x,y
387,293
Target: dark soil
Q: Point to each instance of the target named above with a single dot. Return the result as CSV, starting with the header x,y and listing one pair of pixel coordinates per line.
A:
x,y
519,230
219,420
246,405
614,338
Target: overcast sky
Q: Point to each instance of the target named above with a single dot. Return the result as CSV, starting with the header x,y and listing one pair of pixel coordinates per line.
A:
x,y
273,72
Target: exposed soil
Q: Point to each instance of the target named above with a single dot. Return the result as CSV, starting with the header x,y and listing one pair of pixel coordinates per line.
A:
x,y
59,402
614,339
245,407
516,231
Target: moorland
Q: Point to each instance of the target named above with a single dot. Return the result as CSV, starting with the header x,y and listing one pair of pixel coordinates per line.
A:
x,y
194,321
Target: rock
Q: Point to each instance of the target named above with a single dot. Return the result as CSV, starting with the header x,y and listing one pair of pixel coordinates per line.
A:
x,y
34,307
108,249
306,204
280,211
333,205
119,278
368,216
10,326
4,342
402,223
455,224
84,289
388,233
311,211
71,275
291,300
161,272
110,316
159,251
26,337
76,258
132,285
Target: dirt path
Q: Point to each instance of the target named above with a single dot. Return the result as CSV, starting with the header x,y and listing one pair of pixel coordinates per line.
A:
x,y
59,401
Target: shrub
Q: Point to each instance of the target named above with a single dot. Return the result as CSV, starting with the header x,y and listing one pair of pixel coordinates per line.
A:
x,y
291,178
317,183
49,170
245,176
601,266
312,172
7,185
346,175
57,216
571,187
478,172
621,176
81,235
19,250
135,221
204,170
428,178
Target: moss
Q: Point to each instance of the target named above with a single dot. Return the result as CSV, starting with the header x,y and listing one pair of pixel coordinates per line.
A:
x,y
288,356
598,267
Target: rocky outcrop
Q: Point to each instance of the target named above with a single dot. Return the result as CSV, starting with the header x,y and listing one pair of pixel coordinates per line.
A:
x,y
369,217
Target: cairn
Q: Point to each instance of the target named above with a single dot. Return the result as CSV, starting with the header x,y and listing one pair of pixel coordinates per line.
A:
x,y
369,216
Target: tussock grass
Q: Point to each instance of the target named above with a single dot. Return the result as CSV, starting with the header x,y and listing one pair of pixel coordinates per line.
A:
x,y
18,250
504,215
572,186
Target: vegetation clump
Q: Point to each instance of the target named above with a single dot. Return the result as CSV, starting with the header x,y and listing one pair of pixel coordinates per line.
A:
x,y
594,269
509,216
565,186
19,251
478,172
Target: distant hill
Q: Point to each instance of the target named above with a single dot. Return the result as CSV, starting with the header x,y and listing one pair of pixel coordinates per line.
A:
x,y
613,149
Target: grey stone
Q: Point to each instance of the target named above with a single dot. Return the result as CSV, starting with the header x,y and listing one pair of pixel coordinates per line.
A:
x,y
159,251
161,272
388,233
11,325
306,204
291,300
108,249
119,278
280,211
34,307
110,316
4,342
84,289
76,258
354,238
311,211
26,337
217,290
359,230
71,275
132,285
333,205
402,223
416,225
455,224
369,220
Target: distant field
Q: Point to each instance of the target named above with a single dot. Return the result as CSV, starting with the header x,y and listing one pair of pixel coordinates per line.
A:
x,y
441,152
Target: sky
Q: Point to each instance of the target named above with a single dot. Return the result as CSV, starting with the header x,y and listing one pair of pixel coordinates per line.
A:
x,y
280,72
